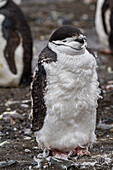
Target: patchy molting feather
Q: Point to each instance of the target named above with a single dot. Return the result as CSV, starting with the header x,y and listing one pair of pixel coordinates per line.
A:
x,y
72,87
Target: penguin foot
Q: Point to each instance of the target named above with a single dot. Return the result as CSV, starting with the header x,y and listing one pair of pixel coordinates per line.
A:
x,y
82,152
60,154
89,1
79,151
106,51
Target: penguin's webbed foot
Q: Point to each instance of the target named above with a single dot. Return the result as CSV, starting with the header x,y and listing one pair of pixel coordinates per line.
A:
x,y
79,152
106,51
82,152
60,154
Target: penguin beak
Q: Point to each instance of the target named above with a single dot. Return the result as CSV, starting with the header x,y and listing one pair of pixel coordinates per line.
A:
x,y
83,41
83,38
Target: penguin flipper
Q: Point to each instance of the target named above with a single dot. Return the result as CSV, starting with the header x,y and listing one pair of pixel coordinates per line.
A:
x,y
13,41
10,50
39,108
38,89
111,33
91,51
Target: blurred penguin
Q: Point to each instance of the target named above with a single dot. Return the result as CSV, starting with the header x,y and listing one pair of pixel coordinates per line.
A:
x,y
104,23
15,46
18,2
88,1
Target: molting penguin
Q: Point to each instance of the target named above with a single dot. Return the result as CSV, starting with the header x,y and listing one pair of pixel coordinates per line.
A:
x,y
15,46
64,93
104,22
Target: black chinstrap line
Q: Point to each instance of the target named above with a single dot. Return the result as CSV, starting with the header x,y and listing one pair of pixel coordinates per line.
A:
x,y
67,46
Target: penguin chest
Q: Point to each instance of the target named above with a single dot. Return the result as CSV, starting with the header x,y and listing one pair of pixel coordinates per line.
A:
x,y
7,78
69,84
68,92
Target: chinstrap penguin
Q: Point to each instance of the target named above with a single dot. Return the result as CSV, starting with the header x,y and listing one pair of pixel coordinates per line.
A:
x,y
15,46
104,23
64,94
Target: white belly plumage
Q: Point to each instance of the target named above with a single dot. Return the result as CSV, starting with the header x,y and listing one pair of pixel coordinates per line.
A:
x,y
7,78
18,2
71,101
104,38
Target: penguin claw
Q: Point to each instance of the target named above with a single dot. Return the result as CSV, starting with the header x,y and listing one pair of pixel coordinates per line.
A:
x,y
79,152
59,154
106,51
82,152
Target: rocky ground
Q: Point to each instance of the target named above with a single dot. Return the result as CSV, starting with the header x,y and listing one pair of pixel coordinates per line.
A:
x,y
18,149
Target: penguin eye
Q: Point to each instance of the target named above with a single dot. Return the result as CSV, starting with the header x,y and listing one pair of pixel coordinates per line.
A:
x,y
79,40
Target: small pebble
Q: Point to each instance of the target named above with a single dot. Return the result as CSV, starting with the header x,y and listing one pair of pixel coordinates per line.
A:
x,y
1,134
36,147
111,130
2,164
27,138
27,150
15,129
30,167
24,105
34,163
6,164
27,131
11,162
4,143
84,16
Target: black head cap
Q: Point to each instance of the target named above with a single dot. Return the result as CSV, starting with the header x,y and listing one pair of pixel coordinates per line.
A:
x,y
64,32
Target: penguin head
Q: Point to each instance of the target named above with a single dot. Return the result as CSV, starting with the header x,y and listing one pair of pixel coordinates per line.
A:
x,y
3,3
69,39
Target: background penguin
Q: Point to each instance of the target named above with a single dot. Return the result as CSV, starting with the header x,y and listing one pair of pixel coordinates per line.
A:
x,y
64,94
18,2
15,46
104,23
